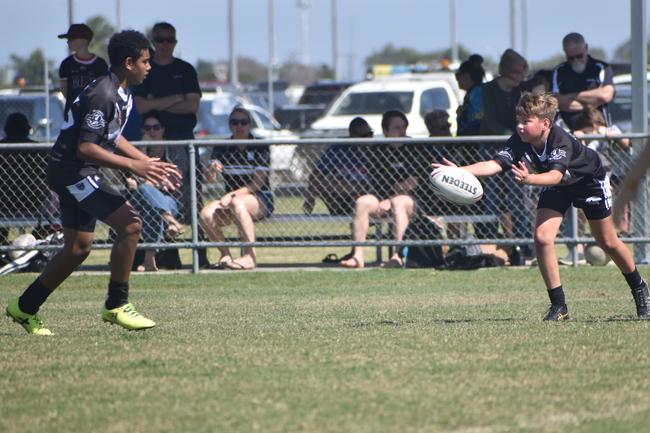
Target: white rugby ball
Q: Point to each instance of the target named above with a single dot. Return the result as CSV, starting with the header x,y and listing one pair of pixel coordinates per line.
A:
x,y
596,256
456,185
24,240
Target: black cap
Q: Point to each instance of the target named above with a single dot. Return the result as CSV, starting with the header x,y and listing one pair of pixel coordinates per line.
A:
x,y
78,31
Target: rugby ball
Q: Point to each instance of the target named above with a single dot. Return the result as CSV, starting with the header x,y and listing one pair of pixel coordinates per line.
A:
x,y
25,240
456,185
595,256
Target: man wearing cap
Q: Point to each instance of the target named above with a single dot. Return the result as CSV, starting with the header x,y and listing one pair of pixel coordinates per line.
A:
x,y
81,67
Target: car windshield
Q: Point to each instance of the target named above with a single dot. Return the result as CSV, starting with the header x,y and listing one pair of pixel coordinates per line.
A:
x,y
374,103
621,107
213,124
34,109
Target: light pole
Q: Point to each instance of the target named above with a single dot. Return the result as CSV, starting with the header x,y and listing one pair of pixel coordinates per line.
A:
x,y
232,53
304,24
335,41
272,60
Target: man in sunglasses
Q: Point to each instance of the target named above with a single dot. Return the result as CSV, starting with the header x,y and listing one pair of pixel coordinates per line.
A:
x,y
581,81
172,89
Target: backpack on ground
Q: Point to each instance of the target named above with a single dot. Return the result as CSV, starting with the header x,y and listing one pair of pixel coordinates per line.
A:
x,y
423,256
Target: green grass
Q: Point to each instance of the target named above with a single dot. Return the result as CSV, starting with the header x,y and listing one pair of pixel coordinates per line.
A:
x,y
373,351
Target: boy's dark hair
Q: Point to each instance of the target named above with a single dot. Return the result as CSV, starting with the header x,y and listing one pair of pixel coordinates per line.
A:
x,y
474,67
356,124
510,62
588,117
242,110
163,26
542,106
543,77
17,125
125,44
385,119
153,114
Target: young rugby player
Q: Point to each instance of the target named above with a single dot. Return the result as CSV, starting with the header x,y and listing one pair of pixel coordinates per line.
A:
x,y
543,154
92,139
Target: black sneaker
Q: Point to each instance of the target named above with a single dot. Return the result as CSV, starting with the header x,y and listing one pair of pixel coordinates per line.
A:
x,y
640,295
557,313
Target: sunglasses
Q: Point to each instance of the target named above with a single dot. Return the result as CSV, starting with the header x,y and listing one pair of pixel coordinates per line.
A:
x,y
156,127
576,57
161,40
242,122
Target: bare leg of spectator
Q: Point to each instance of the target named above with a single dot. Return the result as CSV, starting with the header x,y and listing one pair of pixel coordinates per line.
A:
x,y
149,262
365,207
402,207
212,218
245,210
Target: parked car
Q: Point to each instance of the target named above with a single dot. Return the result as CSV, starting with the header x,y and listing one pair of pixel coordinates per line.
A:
x,y
414,94
33,105
621,107
311,105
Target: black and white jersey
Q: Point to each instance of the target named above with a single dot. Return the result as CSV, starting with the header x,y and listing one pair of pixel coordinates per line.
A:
x,y
565,80
562,152
98,116
78,74
240,165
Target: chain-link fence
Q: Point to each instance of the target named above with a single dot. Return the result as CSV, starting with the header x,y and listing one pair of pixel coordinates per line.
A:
x,y
312,192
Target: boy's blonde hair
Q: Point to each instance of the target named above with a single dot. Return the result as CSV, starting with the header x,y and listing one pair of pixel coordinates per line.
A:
x,y
542,106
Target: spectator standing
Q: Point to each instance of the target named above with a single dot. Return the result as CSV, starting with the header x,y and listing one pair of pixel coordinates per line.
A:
x,y
470,75
395,172
172,89
81,67
503,196
248,198
581,81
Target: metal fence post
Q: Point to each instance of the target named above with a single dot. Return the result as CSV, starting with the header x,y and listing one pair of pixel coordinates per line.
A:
x,y
191,150
573,246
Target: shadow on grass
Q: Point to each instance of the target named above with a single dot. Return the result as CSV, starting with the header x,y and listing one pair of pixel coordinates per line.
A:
x,y
436,321
612,319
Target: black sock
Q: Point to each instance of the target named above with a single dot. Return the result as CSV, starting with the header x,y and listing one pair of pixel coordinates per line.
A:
x,y
556,295
118,294
633,279
33,297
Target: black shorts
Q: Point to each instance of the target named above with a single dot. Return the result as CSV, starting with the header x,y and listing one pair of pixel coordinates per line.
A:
x,y
84,198
593,196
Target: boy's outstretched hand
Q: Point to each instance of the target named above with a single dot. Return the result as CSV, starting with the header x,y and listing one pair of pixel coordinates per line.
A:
x,y
445,163
163,174
521,173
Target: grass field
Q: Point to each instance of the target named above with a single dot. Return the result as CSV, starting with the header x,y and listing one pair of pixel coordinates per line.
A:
x,y
371,351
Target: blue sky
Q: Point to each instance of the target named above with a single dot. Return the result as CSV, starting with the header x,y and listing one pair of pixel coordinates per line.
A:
x,y
364,26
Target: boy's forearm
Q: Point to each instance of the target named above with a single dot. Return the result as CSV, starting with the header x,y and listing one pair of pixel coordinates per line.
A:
x,y
95,154
549,178
484,168
125,147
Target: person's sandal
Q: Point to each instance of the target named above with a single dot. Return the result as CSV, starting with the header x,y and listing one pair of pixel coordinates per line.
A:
x,y
331,258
